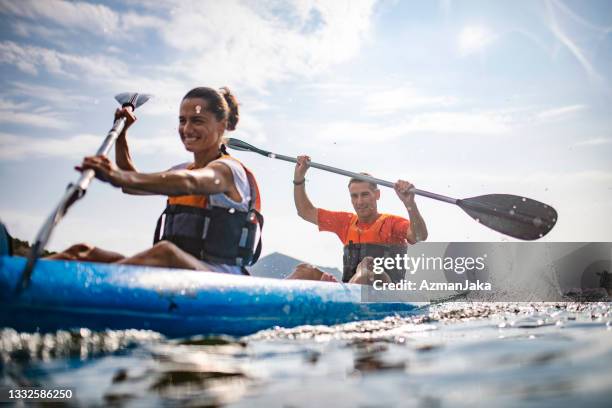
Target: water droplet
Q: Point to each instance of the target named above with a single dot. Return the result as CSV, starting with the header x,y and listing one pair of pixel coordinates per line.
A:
x,y
514,207
537,221
272,156
523,199
232,210
217,181
511,212
477,219
541,235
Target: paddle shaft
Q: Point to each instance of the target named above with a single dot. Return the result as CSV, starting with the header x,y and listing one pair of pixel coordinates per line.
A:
x,y
73,193
363,177
512,215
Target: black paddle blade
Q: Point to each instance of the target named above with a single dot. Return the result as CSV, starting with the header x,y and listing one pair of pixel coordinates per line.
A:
x,y
238,144
518,217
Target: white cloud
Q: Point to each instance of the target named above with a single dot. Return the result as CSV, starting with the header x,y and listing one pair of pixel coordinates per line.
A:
x,y
25,114
17,147
403,98
94,18
560,113
256,45
30,59
595,142
474,39
57,96
566,39
486,124
260,43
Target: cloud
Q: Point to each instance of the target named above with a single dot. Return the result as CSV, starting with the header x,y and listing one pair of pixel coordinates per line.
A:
x,y
95,18
560,113
594,142
57,96
265,41
25,114
29,59
433,122
564,38
473,39
403,98
17,147
261,43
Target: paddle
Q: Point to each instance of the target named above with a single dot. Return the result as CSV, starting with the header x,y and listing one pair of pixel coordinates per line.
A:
x,y
77,190
512,215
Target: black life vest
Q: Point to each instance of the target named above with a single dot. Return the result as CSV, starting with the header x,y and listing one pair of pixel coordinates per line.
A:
x,y
353,254
215,234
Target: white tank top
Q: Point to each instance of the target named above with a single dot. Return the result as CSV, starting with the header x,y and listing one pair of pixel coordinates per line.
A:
x,y
222,200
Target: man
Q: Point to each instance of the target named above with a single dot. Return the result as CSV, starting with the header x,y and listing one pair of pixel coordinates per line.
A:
x,y
366,234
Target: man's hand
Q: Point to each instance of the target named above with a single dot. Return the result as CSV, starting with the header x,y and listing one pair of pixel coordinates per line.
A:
x,y
404,190
301,167
105,170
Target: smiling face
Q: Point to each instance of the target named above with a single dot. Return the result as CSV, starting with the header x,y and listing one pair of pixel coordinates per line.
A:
x,y
364,199
199,129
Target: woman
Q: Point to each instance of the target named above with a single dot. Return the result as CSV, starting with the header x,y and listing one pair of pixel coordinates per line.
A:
x,y
212,219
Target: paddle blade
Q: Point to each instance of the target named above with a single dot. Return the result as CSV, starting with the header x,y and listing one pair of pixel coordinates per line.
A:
x,y
238,144
132,99
518,217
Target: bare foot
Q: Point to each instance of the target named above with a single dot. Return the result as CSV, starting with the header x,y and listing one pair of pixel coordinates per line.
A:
x,y
327,277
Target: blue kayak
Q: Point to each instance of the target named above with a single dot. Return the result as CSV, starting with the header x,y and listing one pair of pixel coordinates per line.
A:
x,y
176,303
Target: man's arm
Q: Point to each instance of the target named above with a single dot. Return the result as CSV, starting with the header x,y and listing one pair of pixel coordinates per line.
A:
x,y
418,230
304,207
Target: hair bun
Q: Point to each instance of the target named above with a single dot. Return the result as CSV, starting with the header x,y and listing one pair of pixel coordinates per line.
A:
x,y
232,103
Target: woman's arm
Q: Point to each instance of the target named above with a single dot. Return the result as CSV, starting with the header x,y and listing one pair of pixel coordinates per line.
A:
x,y
122,150
123,158
212,179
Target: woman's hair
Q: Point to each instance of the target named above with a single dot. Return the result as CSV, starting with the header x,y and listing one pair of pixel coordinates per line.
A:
x,y
223,104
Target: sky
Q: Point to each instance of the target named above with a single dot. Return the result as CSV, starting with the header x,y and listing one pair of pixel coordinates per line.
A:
x,y
462,98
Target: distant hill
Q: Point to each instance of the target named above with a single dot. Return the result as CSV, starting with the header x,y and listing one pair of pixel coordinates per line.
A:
x,y
22,248
277,265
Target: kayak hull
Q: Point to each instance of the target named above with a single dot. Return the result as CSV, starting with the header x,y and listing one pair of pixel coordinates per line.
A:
x,y
176,303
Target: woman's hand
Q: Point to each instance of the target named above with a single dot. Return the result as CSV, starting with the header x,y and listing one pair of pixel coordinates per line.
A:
x,y
127,113
105,170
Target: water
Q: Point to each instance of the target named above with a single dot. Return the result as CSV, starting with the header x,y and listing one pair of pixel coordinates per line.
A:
x,y
471,354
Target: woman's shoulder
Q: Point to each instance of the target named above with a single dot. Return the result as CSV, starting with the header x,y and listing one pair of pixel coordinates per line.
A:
x,y
182,166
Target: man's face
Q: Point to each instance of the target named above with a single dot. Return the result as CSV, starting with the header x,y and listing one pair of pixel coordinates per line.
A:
x,y
364,199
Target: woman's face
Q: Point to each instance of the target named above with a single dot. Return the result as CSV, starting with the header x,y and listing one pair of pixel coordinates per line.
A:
x,y
199,129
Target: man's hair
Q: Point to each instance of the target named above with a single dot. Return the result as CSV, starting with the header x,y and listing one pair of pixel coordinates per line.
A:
x,y
373,186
